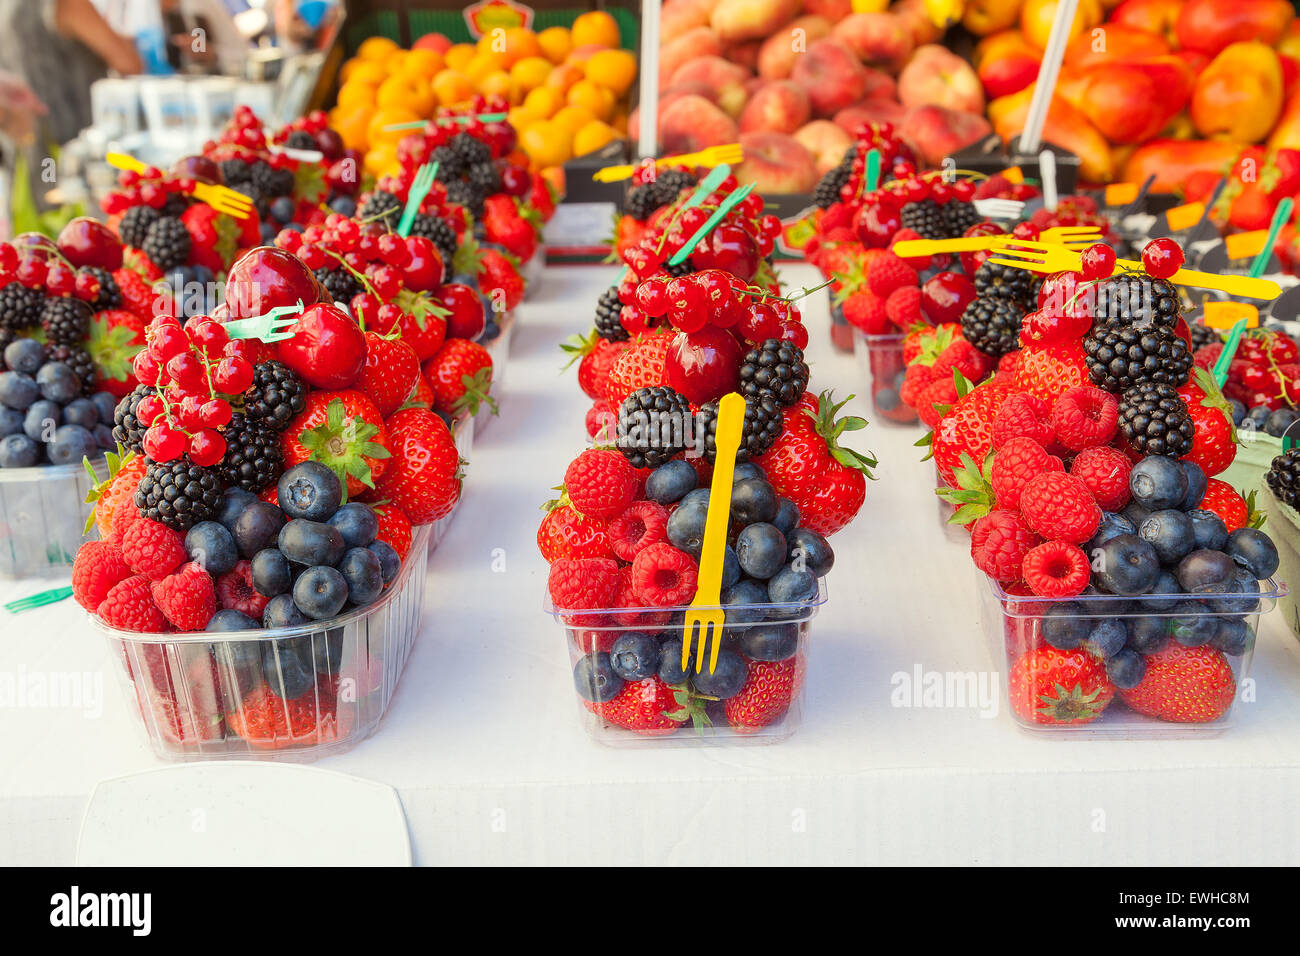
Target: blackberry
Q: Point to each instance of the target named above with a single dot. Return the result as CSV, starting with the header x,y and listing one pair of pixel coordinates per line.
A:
x,y
66,320
654,425
339,283
253,457
1155,420
483,176
235,171
673,181
960,216
110,294
461,193
450,166
1121,356
1202,335
926,218
1283,477
438,231
271,181
260,202
608,307
300,139
381,206
1003,281
992,324
178,493
135,223
174,205
683,268
775,368
6,336
276,395
167,243
470,150
77,359
1135,299
763,423
20,307
641,201
128,431
828,188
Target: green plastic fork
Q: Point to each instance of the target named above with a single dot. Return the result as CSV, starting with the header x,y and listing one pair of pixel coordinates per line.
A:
x,y
442,121
424,179
40,599
733,200
269,327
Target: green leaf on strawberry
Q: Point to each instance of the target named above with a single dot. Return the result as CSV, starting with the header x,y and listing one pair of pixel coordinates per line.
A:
x,y
1214,398
830,430
468,258
116,460
419,306
112,347
1255,517
343,444
309,183
973,495
690,706
477,388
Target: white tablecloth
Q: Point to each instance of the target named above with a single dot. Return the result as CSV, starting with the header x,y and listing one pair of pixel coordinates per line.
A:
x,y
483,744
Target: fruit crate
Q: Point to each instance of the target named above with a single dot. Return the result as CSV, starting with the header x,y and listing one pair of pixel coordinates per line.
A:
x,y
1195,687
589,634
1284,528
881,359
203,695
43,510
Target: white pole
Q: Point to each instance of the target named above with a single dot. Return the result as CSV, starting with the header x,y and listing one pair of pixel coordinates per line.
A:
x,y
648,133
1047,175
1048,71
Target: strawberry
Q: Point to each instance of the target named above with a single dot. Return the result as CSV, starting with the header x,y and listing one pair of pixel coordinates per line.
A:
x,y
541,197
628,232
266,722
866,312
390,372
1188,685
1046,371
766,695
502,224
564,533
424,476
138,294
640,365
116,335
826,481
342,430
215,238
595,356
1223,500
117,491
423,324
649,707
1050,686
394,528
1214,439
500,281
967,428
461,377
189,711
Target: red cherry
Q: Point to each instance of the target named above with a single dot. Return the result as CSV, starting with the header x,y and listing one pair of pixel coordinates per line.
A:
x,y
326,349
86,287
387,318
627,290
760,322
794,332
1097,261
632,319
945,295
8,257
387,281
652,297
704,365
31,271
88,242
365,309
424,271
392,249
875,225
730,248
466,318
265,278
1162,257
206,447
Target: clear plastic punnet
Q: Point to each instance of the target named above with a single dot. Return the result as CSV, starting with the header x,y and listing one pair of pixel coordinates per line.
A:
x,y
1195,655
43,512
881,359
764,652
294,693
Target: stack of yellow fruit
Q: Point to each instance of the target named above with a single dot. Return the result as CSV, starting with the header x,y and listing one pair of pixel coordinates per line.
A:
x,y
567,88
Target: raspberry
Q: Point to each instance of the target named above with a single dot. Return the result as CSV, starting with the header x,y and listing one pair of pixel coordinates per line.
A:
x,y
582,583
866,312
602,415
1085,417
186,598
941,392
662,576
915,380
600,483
235,590
1057,505
1056,569
98,566
123,518
627,598
1023,415
1105,472
152,549
129,606
887,272
999,542
643,523
903,306
1019,460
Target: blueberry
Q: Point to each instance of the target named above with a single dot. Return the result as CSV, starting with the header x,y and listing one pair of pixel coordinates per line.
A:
x,y
327,651
595,680
1254,551
357,523
1135,514
1063,628
1280,422
769,642
1233,636
1243,583
1107,637
18,390
364,574
745,470
726,679
746,593
105,404
1158,482
104,437
670,662
11,421
1259,415
389,561
752,501
885,399
787,517
213,547
271,572
791,585
281,611
1112,525
808,548
1127,565
229,619
24,355
730,567
81,411
257,527
1147,635
1126,669
1206,572
239,662
42,420
1192,627
1196,485
18,451
71,444
320,592
311,543
686,527
1238,411
491,330
761,550
1155,598
233,502
1208,529
309,490
698,497
1170,533
635,656
1111,604
288,666
671,482
344,206
58,383
282,209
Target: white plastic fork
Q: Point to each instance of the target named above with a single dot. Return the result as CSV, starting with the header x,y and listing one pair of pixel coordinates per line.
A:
x,y
999,208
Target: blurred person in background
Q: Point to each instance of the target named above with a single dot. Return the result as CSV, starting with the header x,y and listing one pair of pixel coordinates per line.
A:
x,y
300,24
203,37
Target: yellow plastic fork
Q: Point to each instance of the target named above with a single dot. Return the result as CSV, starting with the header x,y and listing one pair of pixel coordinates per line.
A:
x,y
1050,257
705,612
220,198
730,153
1072,237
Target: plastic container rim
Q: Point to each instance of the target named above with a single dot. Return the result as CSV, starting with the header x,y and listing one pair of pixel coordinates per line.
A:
x,y
1038,604
37,472
560,614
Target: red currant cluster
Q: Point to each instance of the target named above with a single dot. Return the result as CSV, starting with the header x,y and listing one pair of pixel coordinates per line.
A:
x,y
712,297
314,123
1072,211
735,245
893,153
37,263
150,187
246,130
196,370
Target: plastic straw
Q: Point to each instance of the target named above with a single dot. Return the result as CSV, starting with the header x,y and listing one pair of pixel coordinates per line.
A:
x,y
1031,137
1280,216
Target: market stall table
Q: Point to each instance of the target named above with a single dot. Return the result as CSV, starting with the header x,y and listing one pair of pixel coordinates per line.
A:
x,y
483,744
